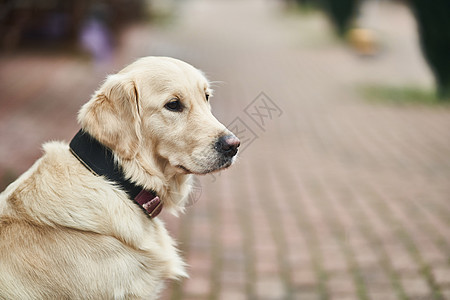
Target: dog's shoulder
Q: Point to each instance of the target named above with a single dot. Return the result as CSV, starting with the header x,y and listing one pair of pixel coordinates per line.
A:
x,y
46,192
62,201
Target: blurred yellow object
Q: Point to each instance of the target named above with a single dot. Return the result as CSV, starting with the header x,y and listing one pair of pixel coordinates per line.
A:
x,y
363,41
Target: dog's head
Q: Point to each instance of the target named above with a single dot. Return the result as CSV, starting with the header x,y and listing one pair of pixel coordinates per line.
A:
x,y
157,111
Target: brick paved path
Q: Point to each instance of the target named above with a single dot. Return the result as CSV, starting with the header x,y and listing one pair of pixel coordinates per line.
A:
x,y
332,198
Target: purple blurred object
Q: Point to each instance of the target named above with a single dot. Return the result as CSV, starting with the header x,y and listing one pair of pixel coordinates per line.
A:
x,y
95,37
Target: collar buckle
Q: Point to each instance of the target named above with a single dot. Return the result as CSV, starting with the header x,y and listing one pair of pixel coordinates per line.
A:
x,y
149,202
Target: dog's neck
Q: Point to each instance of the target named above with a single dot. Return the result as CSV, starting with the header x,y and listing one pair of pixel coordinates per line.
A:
x,y
173,187
101,162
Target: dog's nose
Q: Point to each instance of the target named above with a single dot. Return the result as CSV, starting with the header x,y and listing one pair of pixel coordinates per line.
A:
x,y
228,145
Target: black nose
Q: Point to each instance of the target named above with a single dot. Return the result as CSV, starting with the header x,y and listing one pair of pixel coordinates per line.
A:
x,y
228,145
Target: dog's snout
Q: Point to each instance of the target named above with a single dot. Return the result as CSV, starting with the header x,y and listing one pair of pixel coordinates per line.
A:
x,y
228,145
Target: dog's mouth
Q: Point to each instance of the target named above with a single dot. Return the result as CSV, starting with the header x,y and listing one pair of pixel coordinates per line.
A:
x,y
220,166
186,170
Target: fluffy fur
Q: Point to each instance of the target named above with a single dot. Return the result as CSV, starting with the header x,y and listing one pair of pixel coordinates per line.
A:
x,y
66,233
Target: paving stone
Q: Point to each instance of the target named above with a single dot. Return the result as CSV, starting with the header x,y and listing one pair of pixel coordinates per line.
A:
x,y
307,295
269,287
416,287
382,295
441,274
341,284
304,278
233,294
196,286
233,278
446,293
343,297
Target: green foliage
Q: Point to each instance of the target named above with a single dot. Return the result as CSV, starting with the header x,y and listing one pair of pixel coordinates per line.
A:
x,y
400,95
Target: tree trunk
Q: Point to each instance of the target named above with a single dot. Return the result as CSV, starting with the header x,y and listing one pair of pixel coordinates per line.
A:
x,y
433,21
341,13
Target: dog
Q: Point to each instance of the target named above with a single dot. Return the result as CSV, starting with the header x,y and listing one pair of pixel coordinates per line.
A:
x,y
82,222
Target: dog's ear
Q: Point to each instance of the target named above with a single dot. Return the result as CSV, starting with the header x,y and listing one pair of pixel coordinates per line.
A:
x,y
112,116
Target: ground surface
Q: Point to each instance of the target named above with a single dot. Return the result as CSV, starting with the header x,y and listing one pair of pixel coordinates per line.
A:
x,y
333,197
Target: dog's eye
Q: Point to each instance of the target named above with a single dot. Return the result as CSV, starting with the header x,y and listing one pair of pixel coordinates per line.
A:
x,y
174,105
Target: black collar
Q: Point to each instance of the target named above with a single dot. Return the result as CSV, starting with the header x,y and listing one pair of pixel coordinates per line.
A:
x,y
100,161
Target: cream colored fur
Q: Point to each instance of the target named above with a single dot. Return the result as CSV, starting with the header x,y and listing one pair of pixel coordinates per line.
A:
x,y
66,233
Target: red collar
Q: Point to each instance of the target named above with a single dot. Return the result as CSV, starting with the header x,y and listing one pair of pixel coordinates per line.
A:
x,y
100,161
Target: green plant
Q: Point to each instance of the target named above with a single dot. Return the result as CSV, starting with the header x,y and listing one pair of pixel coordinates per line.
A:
x,y
401,95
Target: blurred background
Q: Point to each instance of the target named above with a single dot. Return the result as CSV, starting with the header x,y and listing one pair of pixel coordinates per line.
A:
x,y
342,186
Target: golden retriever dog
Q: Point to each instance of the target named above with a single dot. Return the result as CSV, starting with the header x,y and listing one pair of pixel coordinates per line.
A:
x,y
82,222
